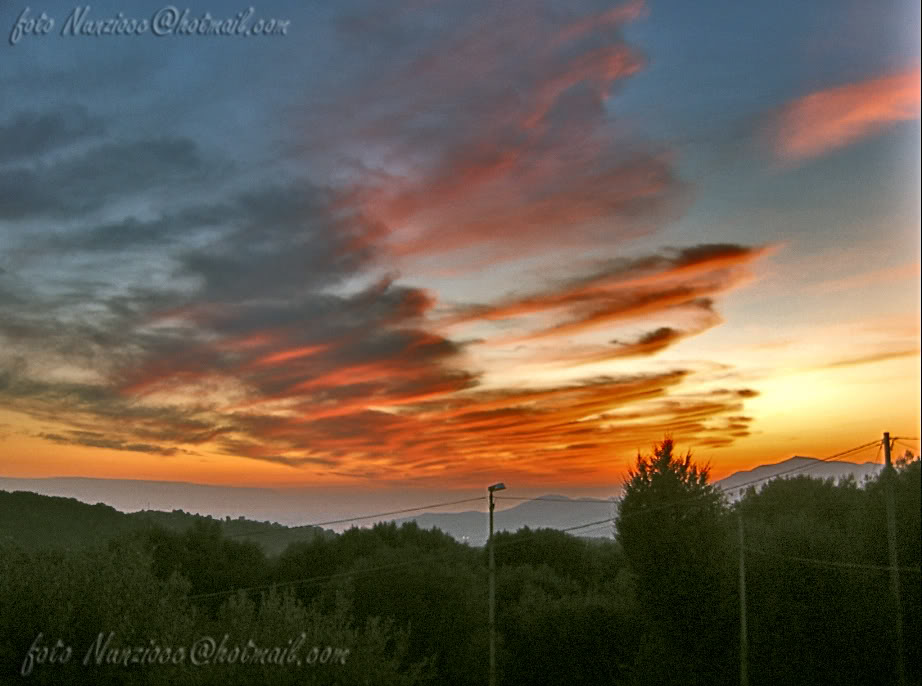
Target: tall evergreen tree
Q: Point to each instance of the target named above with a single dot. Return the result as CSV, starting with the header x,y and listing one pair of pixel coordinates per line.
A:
x,y
672,526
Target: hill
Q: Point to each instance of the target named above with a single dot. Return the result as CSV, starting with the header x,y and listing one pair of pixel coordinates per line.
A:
x,y
799,466
39,521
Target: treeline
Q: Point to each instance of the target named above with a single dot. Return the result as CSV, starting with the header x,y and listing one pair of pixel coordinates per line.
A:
x,y
39,522
819,605
402,605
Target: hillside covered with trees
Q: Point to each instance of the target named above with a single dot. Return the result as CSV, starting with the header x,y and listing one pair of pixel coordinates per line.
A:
x,y
659,604
50,522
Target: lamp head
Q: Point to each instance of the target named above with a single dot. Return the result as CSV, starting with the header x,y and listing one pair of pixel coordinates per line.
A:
x,y
497,487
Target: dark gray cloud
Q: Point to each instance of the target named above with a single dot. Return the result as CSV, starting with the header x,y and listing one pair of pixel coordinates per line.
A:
x,y
150,263
88,180
286,241
96,440
132,233
27,135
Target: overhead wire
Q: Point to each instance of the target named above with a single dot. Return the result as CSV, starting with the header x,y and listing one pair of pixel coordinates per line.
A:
x,y
906,445
321,578
354,572
801,467
726,490
588,525
832,563
346,520
557,500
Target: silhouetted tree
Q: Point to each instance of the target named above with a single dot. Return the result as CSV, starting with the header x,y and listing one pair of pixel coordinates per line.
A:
x,y
673,531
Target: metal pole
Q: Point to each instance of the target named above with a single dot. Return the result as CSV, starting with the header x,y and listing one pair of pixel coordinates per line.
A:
x,y
492,619
889,475
744,634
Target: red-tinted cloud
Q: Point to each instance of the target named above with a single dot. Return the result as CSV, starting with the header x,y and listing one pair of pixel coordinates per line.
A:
x,y
484,133
497,137
369,389
628,290
835,117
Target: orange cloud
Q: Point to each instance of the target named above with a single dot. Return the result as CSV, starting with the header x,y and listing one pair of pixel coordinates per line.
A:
x,y
525,148
628,290
481,136
397,405
537,435
836,117
873,358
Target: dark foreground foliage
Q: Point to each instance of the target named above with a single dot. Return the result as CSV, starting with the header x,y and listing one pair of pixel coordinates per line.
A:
x,y
659,605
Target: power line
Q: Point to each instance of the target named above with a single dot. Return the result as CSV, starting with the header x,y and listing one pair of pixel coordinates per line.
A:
x,y
557,500
354,572
599,527
346,520
724,490
323,577
356,519
588,525
832,563
800,467
702,495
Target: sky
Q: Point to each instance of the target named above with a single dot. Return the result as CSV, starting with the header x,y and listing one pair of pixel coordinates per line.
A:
x,y
421,246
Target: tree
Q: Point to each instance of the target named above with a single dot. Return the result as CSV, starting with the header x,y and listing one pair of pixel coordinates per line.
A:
x,y
807,620
673,529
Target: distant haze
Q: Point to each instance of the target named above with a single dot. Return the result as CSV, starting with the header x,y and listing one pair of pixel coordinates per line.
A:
x,y
303,506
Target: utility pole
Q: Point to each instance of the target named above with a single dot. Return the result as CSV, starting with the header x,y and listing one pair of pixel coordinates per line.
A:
x,y
744,634
889,476
492,619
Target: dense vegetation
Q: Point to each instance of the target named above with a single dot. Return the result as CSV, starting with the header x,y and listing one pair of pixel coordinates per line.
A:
x,y
41,522
658,605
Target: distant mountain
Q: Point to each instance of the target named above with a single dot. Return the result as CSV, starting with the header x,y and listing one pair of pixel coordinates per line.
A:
x,y
561,512
547,511
36,521
289,506
261,506
130,495
798,466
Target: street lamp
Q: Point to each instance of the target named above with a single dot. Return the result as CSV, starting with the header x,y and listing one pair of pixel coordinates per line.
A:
x,y
492,489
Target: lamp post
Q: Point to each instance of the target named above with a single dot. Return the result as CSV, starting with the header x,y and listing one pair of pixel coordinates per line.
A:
x,y
492,620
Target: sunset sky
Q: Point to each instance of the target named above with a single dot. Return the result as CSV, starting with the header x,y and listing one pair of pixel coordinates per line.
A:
x,y
427,245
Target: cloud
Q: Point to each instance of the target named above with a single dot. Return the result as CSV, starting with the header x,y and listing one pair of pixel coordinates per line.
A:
x,y
627,289
161,299
835,117
85,181
363,390
873,358
494,127
34,133
536,434
283,241
650,343
96,440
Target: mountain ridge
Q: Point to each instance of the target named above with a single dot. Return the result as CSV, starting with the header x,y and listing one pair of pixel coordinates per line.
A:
x,y
293,509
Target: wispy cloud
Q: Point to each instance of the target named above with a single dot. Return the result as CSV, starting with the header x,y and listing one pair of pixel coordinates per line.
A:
x,y
872,358
835,117
160,299
493,133
628,289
